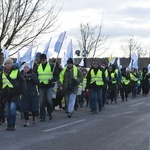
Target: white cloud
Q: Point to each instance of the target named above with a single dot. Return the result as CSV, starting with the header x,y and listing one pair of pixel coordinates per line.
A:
x,y
121,18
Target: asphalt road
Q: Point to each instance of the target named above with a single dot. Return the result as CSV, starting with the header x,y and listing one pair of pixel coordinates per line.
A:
x,y
121,126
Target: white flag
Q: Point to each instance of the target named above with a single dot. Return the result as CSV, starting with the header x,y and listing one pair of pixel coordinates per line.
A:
x,y
5,52
47,47
82,62
135,60
59,42
64,60
70,50
27,55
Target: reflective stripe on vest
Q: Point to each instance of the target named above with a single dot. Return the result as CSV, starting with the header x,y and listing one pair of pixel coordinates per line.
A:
x,y
46,74
97,77
75,73
124,80
6,82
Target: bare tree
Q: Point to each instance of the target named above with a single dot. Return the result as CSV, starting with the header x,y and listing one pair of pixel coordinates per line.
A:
x,y
23,21
133,46
91,39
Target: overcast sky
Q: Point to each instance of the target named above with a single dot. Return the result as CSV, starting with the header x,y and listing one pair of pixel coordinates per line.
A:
x,y
121,18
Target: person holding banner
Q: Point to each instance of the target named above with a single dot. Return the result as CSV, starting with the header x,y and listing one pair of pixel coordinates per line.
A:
x,y
47,74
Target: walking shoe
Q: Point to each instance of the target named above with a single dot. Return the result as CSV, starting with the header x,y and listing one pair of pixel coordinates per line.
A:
x,y
42,120
8,128
51,116
34,120
69,115
94,112
26,124
13,127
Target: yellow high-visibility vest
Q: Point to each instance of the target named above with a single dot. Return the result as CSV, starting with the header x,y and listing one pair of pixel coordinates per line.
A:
x,y
125,81
6,82
75,73
46,74
97,77
133,78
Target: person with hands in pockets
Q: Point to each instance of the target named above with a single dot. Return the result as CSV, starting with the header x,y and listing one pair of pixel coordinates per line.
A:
x,y
69,79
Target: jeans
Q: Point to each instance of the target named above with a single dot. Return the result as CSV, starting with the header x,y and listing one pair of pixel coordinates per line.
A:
x,y
70,100
96,99
45,95
10,113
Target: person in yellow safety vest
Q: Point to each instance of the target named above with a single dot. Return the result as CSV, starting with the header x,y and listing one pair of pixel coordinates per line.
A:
x,y
112,85
104,95
124,84
69,80
95,84
12,85
84,95
134,75
47,74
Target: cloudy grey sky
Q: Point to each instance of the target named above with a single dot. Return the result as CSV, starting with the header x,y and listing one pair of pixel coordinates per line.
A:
x,y
121,18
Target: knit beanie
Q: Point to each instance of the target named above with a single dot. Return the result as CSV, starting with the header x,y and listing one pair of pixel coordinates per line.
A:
x,y
8,61
70,61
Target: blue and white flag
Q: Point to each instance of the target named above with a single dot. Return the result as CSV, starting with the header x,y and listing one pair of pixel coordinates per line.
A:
x,y
135,61
64,60
27,55
47,47
59,42
18,58
5,53
69,50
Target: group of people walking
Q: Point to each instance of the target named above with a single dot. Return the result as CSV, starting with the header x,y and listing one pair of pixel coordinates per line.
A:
x,y
34,87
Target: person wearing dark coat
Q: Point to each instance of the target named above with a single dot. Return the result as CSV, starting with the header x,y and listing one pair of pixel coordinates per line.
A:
x,y
30,101
145,81
12,85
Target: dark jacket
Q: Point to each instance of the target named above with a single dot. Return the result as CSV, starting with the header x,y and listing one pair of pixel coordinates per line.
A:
x,y
12,94
29,100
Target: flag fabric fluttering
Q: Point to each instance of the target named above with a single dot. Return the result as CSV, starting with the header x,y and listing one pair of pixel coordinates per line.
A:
x,y
135,61
47,47
69,50
18,58
27,55
59,42
130,65
111,60
148,68
118,63
81,62
5,53
64,60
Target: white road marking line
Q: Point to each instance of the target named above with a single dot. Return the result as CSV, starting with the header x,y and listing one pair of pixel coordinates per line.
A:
x,y
65,125
137,104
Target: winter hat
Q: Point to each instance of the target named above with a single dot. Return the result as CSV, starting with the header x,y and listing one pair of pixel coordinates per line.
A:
x,y
43,56
8,61
17,65
96,62
70,61
37,56
26,65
